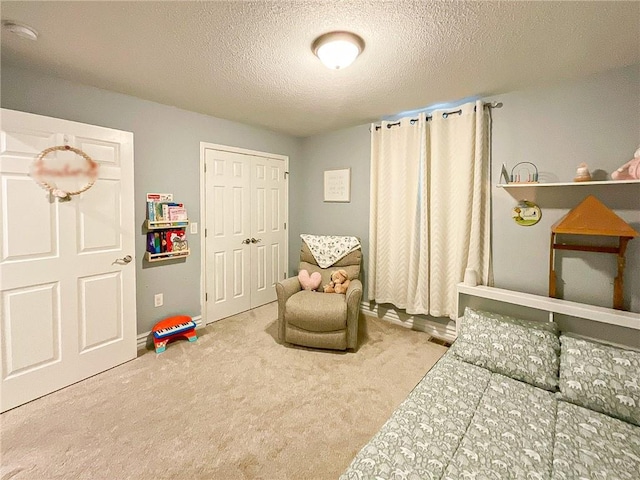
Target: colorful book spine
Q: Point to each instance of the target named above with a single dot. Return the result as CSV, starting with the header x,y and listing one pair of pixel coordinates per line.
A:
x,y
151,245
151,212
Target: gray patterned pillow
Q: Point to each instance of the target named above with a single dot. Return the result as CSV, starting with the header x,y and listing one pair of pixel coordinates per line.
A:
x,y
600,377
521,349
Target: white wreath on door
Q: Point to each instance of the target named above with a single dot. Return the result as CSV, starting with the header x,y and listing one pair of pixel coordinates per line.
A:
x,y
37,170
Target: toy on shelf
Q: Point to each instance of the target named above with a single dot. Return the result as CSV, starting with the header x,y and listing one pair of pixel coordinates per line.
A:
x,y
630,170
516,177
582,173
171,328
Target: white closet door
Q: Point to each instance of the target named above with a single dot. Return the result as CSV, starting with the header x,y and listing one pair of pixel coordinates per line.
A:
x,y
245,244
228,233
267,228
67,302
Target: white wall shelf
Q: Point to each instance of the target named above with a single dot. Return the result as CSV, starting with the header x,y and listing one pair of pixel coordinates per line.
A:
x,y
566,184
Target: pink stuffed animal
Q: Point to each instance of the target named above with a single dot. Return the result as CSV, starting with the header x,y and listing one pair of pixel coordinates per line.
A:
x,y
630,170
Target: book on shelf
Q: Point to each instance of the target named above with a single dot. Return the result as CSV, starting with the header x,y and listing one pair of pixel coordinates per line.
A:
x,y
154,242
151,245
177,213
153,199
167,241
162,210
166,212
177,239
159,197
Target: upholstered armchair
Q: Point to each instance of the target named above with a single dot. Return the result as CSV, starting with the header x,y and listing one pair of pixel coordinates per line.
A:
x,y
316,319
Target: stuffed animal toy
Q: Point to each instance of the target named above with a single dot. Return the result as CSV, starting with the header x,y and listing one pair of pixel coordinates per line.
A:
x,y
630,170
309,282
329,287
339,282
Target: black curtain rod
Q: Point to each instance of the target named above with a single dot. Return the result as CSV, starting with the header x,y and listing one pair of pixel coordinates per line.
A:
x,y
444,115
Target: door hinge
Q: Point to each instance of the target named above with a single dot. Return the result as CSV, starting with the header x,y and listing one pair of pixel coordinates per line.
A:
x,y
284,275
285,175
205,233
206,297
205,168
285,225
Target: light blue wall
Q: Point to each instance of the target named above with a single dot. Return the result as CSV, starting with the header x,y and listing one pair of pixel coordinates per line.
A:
x,y
346,148
167,159
594,120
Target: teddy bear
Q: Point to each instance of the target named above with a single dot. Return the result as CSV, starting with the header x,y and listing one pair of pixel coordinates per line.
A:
x,y
329,287
630,170
339,282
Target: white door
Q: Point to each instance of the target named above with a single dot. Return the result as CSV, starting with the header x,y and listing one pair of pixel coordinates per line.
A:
x,y
67,300
228,232
245,236
268,235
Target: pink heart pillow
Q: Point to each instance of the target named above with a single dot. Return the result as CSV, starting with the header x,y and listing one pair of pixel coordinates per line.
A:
x,y
309,282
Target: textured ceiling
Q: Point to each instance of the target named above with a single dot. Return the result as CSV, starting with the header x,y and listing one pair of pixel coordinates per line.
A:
x,y
252,62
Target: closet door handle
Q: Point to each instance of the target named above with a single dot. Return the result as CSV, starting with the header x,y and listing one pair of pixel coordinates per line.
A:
x,y
246,241
254,240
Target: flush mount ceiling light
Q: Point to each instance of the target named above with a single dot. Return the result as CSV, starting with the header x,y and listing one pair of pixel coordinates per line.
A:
x,y
19,29
338,49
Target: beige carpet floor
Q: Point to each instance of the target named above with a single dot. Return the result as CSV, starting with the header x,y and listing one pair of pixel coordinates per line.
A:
x,y
233,405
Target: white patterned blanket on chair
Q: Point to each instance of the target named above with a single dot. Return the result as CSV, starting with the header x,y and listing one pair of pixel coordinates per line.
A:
x,y
328,249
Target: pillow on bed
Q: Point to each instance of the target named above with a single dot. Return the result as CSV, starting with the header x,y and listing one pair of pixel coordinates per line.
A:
x,y
600,377
524,350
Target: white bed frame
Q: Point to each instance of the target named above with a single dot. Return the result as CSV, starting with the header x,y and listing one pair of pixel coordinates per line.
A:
x,y
599,323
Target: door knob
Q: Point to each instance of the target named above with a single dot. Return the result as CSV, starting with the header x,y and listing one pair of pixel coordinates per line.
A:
x,y
255,240
246,241
126,259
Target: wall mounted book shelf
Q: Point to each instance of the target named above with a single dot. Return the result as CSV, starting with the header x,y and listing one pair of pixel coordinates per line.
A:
x,y
166,228
159,225
159,257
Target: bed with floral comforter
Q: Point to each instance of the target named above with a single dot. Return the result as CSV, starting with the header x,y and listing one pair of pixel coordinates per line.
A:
x,y
514,399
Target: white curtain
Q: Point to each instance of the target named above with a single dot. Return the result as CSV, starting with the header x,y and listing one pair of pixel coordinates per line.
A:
x,y
430,209
397,230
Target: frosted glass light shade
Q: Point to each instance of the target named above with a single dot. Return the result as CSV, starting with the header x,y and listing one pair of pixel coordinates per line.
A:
x,y
338,49
19,29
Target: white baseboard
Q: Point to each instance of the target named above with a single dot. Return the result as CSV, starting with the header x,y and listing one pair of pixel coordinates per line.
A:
x,y
143,338
416,322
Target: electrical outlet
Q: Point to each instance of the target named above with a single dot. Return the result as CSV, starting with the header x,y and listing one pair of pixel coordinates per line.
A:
x,y
194,228
158,299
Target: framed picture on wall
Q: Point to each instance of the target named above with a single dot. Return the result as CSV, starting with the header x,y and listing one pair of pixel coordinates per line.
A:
x,y
337,185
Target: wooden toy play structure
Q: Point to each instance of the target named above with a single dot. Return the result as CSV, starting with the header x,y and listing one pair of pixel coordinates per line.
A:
x,y
591,217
